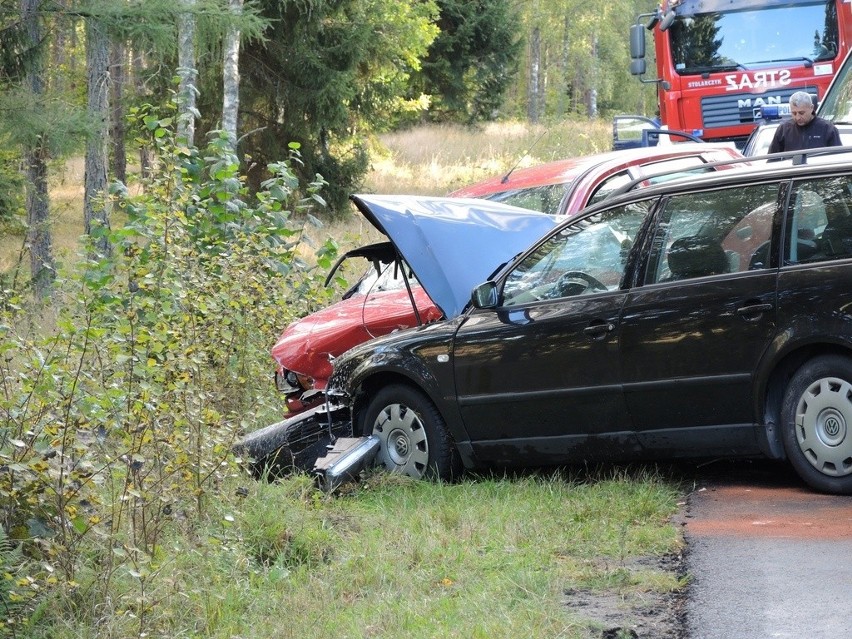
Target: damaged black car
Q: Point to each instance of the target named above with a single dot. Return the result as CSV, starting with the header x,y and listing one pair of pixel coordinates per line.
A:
x,y
708,317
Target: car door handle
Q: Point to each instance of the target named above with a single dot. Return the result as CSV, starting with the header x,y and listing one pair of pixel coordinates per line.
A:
x,y
754,309
599,330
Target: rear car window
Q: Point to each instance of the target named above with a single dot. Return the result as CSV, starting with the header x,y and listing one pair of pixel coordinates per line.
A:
x,y
711,233
538,198
820,221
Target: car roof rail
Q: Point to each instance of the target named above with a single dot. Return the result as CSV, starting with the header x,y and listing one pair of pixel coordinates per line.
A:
x,y
796,158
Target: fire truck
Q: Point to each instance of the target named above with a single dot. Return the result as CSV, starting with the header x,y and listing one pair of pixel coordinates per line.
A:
x,y
720,62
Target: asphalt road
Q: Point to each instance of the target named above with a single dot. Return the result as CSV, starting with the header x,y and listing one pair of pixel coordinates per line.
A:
x,y
767,557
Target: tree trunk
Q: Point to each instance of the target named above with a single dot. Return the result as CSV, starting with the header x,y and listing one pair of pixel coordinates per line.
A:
x,y
231,77
564,94
593,88
533,106
96,200
42,266
187,73
117,126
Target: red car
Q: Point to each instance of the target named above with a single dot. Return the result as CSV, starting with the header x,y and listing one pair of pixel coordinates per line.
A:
x,y
381,301
565,187
388,298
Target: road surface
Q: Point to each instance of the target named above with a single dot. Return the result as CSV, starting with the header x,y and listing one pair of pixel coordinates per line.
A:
x,y
767,557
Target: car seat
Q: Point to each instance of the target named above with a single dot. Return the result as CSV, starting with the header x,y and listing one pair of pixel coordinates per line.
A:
x,y
696,256
836,238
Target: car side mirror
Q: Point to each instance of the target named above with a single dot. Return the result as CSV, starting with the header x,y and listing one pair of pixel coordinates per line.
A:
x,y
484,295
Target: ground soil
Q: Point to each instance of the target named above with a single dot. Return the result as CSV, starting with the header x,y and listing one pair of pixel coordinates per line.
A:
x,y
617,615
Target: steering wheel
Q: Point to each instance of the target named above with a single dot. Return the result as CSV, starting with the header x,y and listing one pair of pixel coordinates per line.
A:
x,y
576,283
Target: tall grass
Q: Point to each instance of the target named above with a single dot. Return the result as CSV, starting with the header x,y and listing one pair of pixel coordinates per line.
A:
x,y
488,558
438,159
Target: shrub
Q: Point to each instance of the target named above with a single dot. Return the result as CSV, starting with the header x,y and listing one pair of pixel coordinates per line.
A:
x,y
117,424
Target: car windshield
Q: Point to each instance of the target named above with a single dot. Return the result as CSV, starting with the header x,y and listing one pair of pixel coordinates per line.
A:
x,y
748,38
537,198
387,277
585,257
837,104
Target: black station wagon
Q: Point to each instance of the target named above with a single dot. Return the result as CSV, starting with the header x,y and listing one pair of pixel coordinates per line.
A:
x,y
709,316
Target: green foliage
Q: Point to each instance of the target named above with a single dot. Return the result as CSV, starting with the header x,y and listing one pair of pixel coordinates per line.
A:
x,y
326,71
473,60
17,52
11,193
117,425
584,50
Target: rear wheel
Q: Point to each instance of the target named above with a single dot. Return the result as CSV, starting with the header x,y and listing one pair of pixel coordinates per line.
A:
x,y
817,423
413,436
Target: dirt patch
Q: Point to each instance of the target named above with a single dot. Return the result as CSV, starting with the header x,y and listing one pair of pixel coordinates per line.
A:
x,y
620,614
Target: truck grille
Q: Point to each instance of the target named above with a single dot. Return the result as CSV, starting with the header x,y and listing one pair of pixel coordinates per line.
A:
x,y
739,108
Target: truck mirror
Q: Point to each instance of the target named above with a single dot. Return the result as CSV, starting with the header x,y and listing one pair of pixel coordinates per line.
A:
x,y
637,43
637,67
668,19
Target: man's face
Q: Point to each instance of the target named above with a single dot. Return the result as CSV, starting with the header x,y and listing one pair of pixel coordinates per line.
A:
x,y
802,114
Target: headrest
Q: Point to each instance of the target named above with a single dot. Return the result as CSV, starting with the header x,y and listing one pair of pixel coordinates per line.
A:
x,y
695,256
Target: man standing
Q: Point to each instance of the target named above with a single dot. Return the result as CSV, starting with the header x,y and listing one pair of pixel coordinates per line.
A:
x,y
804,130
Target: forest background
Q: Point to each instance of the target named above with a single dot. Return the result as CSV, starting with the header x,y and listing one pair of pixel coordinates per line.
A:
x,y
326,76
213,136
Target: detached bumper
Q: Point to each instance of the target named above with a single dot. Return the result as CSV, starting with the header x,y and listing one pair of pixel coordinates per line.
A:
x,y
296,443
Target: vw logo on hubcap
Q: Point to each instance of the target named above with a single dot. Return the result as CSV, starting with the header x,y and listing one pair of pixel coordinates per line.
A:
x,y
401,446
831,427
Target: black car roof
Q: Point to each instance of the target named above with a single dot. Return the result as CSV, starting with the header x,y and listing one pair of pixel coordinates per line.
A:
x,y
788,164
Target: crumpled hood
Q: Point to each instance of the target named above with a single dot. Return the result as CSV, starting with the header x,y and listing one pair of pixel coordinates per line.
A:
x,y
453,244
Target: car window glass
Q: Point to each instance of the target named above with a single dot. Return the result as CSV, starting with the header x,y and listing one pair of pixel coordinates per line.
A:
x,y
609,185
586,257
709,233
378,277
538,198
657,172
820,221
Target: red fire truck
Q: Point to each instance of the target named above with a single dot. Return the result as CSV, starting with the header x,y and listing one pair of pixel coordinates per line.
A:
x,y
719,62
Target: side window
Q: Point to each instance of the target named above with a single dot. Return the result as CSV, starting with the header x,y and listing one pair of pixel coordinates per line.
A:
x,y
819,223
608,186
588,256
715,232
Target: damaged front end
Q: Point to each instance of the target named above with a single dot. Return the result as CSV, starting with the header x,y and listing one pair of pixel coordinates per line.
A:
x,y
294,444
319,441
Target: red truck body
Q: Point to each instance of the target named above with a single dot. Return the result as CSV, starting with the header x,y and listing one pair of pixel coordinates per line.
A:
x,y
719,62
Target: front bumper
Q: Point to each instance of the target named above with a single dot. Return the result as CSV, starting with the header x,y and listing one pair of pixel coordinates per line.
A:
x,y
296,443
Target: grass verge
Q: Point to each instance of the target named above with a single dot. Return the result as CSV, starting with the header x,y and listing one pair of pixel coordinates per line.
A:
x,y
487,557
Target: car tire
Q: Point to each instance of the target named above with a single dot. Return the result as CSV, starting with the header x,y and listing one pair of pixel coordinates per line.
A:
x,y
413,436
816,416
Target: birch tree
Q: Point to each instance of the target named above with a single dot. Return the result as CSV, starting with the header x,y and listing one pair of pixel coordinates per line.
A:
x,y
231,75
187,72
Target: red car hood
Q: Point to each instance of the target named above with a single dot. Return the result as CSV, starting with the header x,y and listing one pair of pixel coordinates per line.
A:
x,y
307,345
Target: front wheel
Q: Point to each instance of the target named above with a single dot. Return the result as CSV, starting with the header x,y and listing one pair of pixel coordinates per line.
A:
x,y
413,436
817,423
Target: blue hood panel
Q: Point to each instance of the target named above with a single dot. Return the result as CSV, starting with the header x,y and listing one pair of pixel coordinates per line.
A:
x,y
453,244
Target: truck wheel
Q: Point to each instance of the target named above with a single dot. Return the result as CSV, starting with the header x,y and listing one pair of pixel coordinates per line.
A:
x,y
413,436
817,423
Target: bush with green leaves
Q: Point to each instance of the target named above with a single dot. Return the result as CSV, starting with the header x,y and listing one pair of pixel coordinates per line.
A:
x,y
11,194
117,420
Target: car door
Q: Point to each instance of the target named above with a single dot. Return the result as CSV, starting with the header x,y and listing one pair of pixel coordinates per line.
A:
x,y
537,378
692,335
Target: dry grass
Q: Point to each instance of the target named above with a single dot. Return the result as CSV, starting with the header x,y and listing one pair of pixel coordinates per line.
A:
x,y
438,159
66,210
424,160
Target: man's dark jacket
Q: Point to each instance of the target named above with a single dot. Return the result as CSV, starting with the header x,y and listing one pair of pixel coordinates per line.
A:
x,y
817,133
